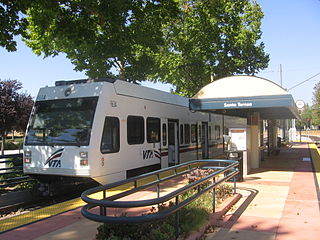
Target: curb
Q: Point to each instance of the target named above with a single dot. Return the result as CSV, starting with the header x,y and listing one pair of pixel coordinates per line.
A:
x,y
222,210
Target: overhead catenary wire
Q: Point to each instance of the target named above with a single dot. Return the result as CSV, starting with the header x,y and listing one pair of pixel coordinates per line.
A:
x,y
304,81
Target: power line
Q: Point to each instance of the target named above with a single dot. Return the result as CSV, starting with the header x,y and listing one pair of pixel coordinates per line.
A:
x,y
304,81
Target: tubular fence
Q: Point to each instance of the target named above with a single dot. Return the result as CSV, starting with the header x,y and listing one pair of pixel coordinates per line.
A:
x,y
11,171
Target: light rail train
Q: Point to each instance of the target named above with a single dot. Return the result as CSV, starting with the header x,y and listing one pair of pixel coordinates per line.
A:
x,y
108,130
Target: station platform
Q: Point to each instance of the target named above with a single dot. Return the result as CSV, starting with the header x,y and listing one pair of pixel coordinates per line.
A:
x,y
280,200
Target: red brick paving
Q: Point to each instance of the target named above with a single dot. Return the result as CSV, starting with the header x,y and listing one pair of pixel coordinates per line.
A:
x,y
300,218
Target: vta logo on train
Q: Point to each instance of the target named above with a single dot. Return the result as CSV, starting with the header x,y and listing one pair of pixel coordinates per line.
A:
x,y
54,160
148,154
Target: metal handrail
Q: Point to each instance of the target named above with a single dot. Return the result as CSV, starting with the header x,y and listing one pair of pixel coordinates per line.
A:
x,y
229,171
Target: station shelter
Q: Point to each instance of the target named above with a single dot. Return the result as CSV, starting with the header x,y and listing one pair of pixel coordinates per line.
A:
x,y
250,97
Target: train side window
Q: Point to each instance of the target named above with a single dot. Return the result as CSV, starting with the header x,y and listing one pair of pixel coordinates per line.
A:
x,y
135,130
110,141
187,133
164,134
153,130
193,133
181,133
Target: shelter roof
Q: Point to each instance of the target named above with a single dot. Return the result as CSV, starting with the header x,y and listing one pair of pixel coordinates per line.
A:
x,y
243,95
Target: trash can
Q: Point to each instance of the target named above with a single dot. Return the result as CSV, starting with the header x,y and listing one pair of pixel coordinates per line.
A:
x,y
237,155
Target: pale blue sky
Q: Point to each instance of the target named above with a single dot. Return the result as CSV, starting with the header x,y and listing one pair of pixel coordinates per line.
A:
x,y
291,33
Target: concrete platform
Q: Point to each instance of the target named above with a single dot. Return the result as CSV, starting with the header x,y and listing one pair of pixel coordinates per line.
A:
x,y
280,201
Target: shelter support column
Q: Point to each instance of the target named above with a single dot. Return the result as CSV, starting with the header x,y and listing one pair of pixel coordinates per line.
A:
x,y
254,140
273,134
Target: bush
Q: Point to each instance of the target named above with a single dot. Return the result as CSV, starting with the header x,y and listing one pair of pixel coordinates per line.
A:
x,y
16,162
13,144
192,217
158,230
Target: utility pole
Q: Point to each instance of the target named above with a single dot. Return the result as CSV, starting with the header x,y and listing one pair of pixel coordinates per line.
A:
x,y
280,75
283,120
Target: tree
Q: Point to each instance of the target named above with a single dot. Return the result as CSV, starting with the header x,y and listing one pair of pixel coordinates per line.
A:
x,y
316,104
101,37
15,108
188,43
12,21
210,40
306,117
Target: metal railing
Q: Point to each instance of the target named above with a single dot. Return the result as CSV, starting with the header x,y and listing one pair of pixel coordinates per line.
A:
x,y
226,168
15,168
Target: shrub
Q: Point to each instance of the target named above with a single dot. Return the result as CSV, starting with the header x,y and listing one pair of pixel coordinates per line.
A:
x,y
192,217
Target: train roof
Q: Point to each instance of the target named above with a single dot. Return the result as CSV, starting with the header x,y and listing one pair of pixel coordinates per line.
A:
x,y
133,90
138,91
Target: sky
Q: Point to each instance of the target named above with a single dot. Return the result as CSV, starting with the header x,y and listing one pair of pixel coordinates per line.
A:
x,y
291,34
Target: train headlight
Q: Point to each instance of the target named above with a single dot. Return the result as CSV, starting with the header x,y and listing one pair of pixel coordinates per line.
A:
x,y
27,157
83,158
84,162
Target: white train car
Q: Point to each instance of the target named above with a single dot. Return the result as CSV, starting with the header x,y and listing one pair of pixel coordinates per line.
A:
x,y
111,130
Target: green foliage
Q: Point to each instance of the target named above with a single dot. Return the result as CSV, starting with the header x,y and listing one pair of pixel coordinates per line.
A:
x,y
310,115
16,162
307,117
160,230
316,105
209,40
187,43
12,22
101,37
13,144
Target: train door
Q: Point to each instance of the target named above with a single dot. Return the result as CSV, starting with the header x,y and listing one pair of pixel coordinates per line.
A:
x,y
204,140
164,142
173,142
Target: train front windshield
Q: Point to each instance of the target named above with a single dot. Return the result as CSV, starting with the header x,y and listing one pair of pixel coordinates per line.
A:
x,y
62,122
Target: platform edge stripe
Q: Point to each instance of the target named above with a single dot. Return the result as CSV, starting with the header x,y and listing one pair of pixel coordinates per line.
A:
x,y
315,156
11,223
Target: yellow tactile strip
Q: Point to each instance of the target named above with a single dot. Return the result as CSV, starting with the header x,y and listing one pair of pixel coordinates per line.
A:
x,y
315,155
40,214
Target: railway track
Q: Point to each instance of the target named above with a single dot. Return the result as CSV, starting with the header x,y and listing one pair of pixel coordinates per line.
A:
x,y
314,138
9,210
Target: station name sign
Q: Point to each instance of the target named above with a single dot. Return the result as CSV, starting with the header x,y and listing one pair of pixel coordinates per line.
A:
x,y
237,104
